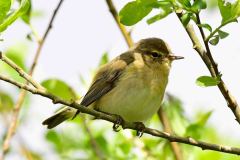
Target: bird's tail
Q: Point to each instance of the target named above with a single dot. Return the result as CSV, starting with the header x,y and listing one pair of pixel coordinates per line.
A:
x,y
59,117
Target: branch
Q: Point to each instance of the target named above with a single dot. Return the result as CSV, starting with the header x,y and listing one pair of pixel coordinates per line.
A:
x,y
207,58
93,142
13,125
167,128
26,76
217,29
125,124
123,30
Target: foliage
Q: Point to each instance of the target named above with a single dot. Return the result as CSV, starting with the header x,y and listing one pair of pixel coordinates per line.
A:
x,y
75,140
10,16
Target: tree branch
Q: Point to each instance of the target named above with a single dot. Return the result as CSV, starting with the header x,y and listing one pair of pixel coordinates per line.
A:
x,y
125,124
93,142
26,76
167,128
13,125
123,30
207,58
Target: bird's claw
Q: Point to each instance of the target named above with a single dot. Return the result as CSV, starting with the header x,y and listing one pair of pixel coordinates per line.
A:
x,y
140,129
118,123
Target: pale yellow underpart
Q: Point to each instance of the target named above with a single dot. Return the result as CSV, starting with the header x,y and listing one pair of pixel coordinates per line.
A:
x,y
138,93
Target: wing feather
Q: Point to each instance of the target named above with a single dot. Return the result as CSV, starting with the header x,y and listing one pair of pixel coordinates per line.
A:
x,y
107,77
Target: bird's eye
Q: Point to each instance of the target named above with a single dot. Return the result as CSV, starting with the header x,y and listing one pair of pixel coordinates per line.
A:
x,y
155,55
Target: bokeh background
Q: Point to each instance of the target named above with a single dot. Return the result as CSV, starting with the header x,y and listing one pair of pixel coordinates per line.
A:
x,y
82,32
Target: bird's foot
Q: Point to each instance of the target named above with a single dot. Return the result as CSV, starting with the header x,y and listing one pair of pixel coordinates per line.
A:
x,y
140,128
118,123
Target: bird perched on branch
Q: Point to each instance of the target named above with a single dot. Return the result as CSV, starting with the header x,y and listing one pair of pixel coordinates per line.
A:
x,y
131,86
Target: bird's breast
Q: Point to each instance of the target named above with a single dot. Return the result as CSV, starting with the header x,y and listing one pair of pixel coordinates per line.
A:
x,y
137,94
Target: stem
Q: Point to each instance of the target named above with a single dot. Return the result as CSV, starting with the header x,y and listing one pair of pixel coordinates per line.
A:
x,y
207,58
123,30
167,128
217,29
125,124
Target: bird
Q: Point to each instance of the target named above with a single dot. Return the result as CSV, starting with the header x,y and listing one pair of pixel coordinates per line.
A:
x,y
132,85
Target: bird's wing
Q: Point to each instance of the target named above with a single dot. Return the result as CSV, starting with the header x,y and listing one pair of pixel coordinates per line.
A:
x,y
106,78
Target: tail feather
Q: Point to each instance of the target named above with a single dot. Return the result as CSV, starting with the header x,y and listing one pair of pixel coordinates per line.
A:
x,y
58,118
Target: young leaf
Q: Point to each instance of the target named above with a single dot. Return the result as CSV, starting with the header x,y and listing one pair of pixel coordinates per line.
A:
x,y
165,10
207,26
59,88
222,34
214,41
4,8
185,19
198,5
229,11
53,137
207,81
104,59
158,17
6,102
24,6
135,11
185,3
27,16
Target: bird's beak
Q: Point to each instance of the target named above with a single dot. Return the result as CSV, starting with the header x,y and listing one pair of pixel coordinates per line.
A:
x,y
172,57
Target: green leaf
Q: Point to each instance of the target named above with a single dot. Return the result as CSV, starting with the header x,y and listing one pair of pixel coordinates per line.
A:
x,y
23,8
207,81
53,137
207,26
104,59
222,34
214,41
135,11
6,102
203,117
195,129
4,8
185,3
59,88
165,10
198,5
158,17
27,16
229,11
185,19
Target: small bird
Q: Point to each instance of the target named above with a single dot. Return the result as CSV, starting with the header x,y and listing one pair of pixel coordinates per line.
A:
x,y
131,86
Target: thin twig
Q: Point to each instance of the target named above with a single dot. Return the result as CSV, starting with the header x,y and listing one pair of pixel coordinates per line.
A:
x,y
123,30
212,66
125,124
167,128
93,142
13,125
216,30
14,66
